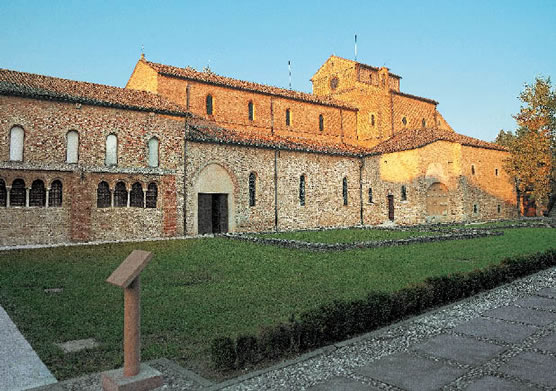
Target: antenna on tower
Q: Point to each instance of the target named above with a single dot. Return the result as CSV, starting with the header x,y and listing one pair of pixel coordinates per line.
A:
x,y
142,51
290,72
356,47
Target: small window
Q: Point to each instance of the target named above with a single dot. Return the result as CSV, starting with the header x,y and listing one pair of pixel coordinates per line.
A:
x,y
475,208
345,190
499,208
111,158
472,169
3,193
302,190
370,195
288,117
251,109
37,194
404,121
16,144
136,198
321,122
153,152
404,194
72,146
209,104
18,193
104,199
372,119
152,194
496,172
120,195
252,189
424,123
55,194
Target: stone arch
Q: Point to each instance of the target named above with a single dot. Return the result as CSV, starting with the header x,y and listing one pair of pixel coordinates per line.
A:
x,y
218,184
437,200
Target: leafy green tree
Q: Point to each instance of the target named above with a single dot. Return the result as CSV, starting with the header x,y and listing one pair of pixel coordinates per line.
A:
x,y
533,146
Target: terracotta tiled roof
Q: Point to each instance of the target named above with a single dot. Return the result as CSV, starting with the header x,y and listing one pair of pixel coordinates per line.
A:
x,y
53,88
212,78
416,138
207,131
415,97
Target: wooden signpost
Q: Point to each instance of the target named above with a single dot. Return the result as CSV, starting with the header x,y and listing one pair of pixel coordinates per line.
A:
x,y
134,375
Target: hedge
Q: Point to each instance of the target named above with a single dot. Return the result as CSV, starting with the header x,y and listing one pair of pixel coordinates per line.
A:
x,y
339,320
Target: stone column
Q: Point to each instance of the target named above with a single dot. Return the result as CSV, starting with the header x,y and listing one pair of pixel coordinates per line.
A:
x,y
112,198
144,198
47,196
27,191
128,197
8,191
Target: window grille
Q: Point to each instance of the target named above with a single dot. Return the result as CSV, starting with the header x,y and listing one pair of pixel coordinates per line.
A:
x,y
55,194
18,194
136,196
37,195
302,190
104,199
251,111
120,195
321,122
252,189
288,117
152,193
345,190
209,104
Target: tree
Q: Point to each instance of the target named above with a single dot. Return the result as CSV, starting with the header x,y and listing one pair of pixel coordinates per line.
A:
x,y
533,145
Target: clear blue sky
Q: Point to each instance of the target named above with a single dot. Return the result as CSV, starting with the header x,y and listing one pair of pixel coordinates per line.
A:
x,y
471,56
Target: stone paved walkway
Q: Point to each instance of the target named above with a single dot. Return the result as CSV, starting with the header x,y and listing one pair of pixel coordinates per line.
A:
x,y
504,339
20,367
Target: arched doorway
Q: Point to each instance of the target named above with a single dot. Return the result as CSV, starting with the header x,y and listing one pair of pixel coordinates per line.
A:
x,y
437,200
214,193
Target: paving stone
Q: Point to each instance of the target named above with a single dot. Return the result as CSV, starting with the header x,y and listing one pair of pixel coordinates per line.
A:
x,y
342,384
462,349
547,343
550,292
411,373
537,302
78,345
496,329
535,367
491,383
525,315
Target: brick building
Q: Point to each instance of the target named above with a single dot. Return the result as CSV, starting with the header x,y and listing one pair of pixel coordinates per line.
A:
x,y
180,151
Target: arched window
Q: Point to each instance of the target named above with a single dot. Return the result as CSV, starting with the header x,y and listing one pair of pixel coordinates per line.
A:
x,y
18,194
209,104
372,119
16,144
37,195
55,194
152,193
345,190
302,190
475,208
120,195
136,198
472,169
72,146
111,158
321,122
496,172
499,208
252,189
370,195
251,109
153,152
424,123
104,199
288,117
404,193
3,193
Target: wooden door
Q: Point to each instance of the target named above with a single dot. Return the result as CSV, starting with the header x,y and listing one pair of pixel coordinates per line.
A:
x,y
391,207
219,213
205,214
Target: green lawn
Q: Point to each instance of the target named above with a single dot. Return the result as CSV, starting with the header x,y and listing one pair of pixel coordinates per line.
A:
x,y
346,235
195,290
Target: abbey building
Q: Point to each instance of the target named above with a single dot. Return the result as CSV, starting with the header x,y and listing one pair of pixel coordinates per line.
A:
x,y
179,151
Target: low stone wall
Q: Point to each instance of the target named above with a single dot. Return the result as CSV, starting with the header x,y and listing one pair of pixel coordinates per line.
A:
x,y
33,225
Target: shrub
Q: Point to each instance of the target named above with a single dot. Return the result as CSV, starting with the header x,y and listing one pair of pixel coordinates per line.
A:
x,y
274,341
246,348
223,353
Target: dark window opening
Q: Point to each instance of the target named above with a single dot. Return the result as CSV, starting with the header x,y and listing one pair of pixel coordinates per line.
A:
x,y
37,195
152,194
404,193
288,117
209,104
345,191
55,194
302,190
136,197
321,122
370,195
499,208
475,208
251,111
372,120
424,123
3,193
496,171
472,169
404,121
120,195
104,200
18,194
252,189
